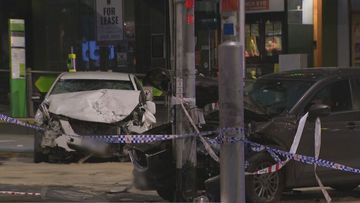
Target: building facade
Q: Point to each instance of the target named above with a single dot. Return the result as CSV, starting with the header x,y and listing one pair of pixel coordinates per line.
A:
x,y
134,36
117,35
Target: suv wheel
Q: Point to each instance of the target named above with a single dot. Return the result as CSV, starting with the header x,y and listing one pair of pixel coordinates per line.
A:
x,y
265,188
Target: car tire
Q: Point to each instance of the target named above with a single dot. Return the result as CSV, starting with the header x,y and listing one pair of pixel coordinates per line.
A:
x,y
345,187
256,189
39,156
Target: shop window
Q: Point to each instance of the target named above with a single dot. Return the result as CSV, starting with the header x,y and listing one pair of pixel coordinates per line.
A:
x,y
252,38
273,35
300,11
264,38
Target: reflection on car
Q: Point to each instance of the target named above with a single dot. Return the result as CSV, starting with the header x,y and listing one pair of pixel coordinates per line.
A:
x,y
273,105
90,103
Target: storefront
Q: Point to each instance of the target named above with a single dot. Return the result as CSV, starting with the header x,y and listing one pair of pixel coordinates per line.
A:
x,y
108,35
355,32
273,28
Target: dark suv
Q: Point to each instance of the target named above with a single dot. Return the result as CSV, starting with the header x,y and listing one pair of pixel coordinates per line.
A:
x,y
273,106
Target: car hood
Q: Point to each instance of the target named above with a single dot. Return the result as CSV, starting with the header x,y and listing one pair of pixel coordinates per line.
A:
x,y
104,106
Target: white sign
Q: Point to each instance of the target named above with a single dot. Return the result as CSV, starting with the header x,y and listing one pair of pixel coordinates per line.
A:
x,y
16,41
109,20
17,63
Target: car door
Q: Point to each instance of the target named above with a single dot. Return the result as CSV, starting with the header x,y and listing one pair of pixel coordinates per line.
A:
x,y
340,135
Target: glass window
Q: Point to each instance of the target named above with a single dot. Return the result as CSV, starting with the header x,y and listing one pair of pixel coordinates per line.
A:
x,y
67,86
300,11
336,95
252,38
355,90
273,34
276,96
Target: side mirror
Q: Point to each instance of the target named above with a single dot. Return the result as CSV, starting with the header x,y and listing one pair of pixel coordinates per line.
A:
x,y
151,106
319,110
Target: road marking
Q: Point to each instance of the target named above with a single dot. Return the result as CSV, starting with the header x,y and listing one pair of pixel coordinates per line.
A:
x,y
3,141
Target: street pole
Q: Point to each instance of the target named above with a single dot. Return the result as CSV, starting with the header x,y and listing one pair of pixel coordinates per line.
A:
x,y
178,124
189,162
185,149
231,85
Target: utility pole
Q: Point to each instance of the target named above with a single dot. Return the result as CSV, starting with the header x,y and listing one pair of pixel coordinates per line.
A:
x,y
231,85
185,149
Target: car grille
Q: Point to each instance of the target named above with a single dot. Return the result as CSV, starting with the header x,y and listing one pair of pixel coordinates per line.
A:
x,y
92,128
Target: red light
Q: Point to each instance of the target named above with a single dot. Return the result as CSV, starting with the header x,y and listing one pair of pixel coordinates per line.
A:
x,y
190,19
189,4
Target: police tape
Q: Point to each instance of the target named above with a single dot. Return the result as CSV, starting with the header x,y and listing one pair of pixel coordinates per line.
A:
x,y
304,159
136,139
20,193
15,121
140,139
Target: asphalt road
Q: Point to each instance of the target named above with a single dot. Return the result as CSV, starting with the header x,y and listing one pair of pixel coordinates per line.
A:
x,y
95,182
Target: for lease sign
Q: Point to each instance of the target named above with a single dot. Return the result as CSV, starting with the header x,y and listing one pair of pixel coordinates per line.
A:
x,y
253,5
109,20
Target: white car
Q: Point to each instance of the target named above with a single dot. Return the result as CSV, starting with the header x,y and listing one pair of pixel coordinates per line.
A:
x,y
90,103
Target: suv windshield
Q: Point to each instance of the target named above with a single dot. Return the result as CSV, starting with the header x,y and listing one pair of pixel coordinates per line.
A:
x,y
276,96
76,85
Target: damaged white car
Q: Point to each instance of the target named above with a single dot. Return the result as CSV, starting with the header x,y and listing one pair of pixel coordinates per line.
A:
x,y
90,103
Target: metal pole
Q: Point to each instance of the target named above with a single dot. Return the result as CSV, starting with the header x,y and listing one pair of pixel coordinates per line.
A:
x,y
29,85
178,124
231,82
172,54
189,151
185,89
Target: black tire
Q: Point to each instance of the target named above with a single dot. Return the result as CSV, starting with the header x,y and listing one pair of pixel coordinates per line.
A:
x,y
345,187
258,188
39,156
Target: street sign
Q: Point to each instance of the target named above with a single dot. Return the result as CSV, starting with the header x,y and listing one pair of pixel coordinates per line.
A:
x,y
43,83
109,20
17,59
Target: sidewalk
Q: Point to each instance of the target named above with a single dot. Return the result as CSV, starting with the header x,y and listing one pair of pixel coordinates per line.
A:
x,y
7,128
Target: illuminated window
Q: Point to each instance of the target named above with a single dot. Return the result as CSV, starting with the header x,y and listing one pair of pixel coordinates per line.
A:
x,y
252,37
273,34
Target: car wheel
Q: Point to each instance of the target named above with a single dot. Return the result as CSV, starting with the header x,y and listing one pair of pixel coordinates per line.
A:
x,y
345,187
39,156
265,188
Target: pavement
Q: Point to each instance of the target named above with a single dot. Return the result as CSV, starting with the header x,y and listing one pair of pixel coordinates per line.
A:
x,y
16,138
95,182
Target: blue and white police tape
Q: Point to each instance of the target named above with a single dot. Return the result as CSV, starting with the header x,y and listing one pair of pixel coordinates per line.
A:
x,y
139,139
304,159
218,140
15,121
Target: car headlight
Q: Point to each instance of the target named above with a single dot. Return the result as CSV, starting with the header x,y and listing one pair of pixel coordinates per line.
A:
x,y
42,114
39,117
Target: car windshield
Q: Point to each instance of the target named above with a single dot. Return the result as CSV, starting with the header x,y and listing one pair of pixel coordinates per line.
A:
x,y
273,96
76,85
